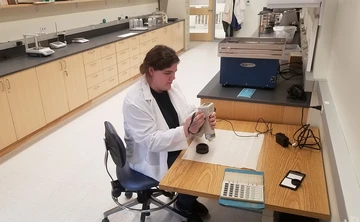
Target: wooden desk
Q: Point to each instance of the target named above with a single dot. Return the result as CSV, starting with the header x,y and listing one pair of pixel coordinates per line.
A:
x,y
311,200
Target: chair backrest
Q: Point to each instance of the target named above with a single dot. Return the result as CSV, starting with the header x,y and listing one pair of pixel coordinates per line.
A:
x,y
114,145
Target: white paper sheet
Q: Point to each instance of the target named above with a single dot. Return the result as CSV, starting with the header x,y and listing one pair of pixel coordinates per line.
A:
x,y
227,149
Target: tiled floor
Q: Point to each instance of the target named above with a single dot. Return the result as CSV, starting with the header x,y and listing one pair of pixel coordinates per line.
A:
x,y
62,177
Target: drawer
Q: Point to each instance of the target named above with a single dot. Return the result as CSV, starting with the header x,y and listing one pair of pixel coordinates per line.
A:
x,y
134,70
144,37
133,51
91,55
122,45
145,47
111,82
154,34
123,55
108,61
122,66
123,76
96,90
93,67
110,71
142,57
134,60
133,41
94,79
153,43
107,50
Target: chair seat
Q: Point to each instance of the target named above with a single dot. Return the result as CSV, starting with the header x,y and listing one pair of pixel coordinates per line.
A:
x,y
133,180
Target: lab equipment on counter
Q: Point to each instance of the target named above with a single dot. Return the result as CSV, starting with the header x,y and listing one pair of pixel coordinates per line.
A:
x,y
250,62
36,51
80,40
59,43
287,32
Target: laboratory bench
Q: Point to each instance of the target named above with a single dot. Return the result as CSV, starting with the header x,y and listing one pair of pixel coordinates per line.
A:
x,y
270,104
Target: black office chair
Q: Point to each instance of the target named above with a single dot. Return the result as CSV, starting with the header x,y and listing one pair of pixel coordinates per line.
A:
x,y
130,181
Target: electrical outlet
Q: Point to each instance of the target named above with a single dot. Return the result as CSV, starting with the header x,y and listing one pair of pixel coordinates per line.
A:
x,y
247,2
42,29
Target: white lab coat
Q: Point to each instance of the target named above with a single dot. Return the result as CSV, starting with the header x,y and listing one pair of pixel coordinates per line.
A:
x,y
238,11
147,135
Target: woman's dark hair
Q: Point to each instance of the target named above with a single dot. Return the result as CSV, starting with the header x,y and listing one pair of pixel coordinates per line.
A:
x,y
160,57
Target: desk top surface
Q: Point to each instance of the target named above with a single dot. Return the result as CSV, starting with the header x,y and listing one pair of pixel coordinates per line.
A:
x,y
277,96
311,200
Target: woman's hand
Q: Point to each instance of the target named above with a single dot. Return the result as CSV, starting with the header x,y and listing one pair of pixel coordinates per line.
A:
x,y
196,123
212,120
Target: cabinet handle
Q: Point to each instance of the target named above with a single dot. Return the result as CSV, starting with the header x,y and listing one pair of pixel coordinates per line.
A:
x,y
134,48
123,63
108,58
2,86
123,52
8,82
111,80
95,76
93,64
66,73
91,52
65,66
96,87
108,46
61,66
109,69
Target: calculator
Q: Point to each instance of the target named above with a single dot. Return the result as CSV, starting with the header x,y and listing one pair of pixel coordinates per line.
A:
x,y
243,187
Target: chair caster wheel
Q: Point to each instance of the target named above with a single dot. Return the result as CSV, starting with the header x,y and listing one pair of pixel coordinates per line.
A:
x,y
128,195
105,220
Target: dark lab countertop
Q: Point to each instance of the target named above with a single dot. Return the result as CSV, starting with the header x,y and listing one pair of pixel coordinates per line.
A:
x,y
277,96
25,62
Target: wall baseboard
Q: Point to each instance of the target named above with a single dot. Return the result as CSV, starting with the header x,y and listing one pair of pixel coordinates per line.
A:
x,y
344,181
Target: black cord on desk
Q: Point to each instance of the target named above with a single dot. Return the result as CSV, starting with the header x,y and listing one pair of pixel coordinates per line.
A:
x,y
269,128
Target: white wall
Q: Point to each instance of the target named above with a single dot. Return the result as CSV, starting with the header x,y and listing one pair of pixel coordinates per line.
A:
x,y
17,21
344,75
324,40
251,19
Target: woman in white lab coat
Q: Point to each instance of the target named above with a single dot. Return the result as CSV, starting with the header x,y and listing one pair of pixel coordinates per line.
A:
x,y
158,122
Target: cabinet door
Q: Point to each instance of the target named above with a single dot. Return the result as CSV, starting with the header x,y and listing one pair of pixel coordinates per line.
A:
x,y
52,89
75,81
7,130
168,41
26,107
178,36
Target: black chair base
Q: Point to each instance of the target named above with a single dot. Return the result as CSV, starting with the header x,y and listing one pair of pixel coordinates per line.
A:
x,y
152,200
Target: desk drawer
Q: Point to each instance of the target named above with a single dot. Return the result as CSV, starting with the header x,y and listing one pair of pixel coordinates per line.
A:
x,y
96,90
145,47
134,60
123,76
134,50
111,82
110,71
124,65
107,50
93,67
153,42
94,79
134,70
133,41
109,61
144,37
123,55
91,55
122,45
154,34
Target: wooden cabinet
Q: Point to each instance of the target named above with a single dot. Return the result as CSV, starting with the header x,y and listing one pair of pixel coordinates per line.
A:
x,y
178,36
75,81
165,36
24,97
52,89
7,130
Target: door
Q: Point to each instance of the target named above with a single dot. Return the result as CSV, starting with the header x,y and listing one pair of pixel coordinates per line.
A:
x,y
52,89
24,97
201,20
7,130
75,81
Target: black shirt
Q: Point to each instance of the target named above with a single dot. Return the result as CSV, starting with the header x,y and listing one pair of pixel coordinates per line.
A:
x,y
166,108
170,115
